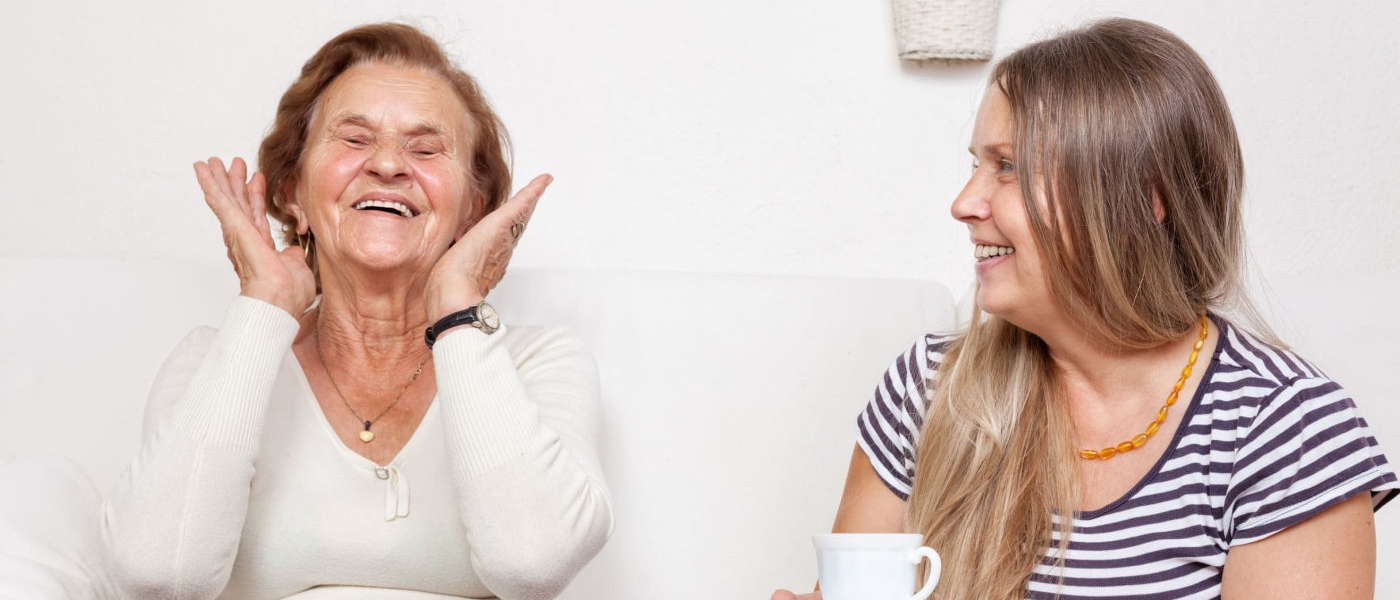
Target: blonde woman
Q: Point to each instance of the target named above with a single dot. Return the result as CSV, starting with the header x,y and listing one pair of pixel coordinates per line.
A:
x,y
1197,458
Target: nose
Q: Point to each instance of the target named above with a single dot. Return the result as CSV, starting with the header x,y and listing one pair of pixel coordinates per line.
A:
x,y
387,163
972,202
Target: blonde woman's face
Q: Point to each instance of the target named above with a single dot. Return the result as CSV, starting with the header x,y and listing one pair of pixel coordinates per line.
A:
x,y
1010,272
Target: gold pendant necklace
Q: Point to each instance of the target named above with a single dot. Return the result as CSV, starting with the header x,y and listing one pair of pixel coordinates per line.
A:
x,y
366,436
1141,438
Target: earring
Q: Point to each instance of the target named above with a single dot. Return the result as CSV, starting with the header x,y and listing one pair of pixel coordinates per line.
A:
x,y
308,248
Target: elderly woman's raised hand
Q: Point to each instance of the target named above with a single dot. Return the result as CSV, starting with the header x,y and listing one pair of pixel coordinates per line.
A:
x,y
280,278
477,261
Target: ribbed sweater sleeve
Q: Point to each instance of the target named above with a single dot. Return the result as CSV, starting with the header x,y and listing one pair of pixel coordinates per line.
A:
x,y
522,436
172,524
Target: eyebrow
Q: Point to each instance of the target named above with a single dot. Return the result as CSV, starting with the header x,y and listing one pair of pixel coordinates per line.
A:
x,y
1002,149
358,120
363,121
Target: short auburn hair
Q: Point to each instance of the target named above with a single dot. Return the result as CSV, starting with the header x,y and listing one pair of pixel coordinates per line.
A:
x,y
280,155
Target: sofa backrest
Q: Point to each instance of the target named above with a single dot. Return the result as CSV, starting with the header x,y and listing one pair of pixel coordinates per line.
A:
x,y
729,400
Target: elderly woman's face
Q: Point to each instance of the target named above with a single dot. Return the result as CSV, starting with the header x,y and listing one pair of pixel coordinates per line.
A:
x,y
384,182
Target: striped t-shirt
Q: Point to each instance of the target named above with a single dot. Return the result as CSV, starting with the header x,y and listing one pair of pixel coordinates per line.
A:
x,y
1266,442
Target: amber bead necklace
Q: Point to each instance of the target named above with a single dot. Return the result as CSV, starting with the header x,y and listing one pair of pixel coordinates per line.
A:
x,y
1141,438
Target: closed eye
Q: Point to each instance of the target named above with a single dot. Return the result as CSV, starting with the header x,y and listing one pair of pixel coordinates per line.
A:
x,y
425,146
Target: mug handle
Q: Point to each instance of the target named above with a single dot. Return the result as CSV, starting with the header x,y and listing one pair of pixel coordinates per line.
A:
x,y
935,566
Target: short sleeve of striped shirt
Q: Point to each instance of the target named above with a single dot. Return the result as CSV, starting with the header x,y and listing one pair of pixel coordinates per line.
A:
x,y
888,429
1306,449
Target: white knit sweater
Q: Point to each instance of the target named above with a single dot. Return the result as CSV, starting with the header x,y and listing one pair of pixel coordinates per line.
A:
x,y
242,490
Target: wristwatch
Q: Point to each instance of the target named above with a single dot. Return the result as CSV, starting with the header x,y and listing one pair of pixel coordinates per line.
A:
x,y
481,316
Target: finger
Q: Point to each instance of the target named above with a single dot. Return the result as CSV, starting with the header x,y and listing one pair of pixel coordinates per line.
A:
x,y
220,175
528,197
238,180
213,194
257,194
231,217
203,176
519,207
497,224
223,180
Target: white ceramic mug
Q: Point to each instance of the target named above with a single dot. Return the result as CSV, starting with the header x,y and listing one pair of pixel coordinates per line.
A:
x,y
874,566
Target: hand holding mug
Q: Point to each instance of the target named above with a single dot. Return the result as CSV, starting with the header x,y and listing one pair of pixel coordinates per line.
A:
x,y
787,595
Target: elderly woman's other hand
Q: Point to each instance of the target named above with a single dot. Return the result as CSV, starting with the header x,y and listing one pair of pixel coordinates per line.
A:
x,y
280,278
477,261
786,595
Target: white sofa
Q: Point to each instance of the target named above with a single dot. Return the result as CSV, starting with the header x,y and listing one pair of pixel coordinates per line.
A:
x,y
729,403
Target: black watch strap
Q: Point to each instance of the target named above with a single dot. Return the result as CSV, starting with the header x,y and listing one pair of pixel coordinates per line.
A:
x,y
465,316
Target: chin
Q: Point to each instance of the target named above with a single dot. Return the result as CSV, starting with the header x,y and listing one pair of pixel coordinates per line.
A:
x,y
991,305
386,258
1002,308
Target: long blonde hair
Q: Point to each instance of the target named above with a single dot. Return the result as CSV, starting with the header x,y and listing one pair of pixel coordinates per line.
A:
x,y
1119,116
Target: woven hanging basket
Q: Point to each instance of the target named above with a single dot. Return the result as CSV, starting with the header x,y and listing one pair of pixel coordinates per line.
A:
x,y
945,29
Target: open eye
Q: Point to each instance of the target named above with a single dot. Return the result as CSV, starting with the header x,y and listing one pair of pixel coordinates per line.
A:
x,y
1006,167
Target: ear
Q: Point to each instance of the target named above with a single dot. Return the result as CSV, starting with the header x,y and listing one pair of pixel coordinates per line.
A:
x,y
293,206
1159,211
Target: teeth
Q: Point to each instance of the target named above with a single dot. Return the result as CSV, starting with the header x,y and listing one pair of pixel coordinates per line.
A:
x,y
395,206
984,252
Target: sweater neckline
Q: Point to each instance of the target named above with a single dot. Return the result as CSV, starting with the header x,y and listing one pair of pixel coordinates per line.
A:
x,y
309,397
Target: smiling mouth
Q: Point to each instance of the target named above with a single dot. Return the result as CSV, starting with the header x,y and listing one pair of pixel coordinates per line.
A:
x,y
388,206
983,252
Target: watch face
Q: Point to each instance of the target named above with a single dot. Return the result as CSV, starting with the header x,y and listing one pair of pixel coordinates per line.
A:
x,y
488,316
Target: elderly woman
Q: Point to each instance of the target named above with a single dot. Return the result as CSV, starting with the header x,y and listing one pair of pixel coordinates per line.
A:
x,y
1100,430
323,445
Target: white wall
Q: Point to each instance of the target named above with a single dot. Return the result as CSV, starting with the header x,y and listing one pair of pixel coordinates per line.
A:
x,y
727,135
773,136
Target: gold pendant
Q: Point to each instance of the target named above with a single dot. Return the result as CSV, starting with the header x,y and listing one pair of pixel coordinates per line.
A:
x,y
366,436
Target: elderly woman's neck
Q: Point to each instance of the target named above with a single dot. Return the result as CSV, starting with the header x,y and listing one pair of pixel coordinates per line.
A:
x,y
385,325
